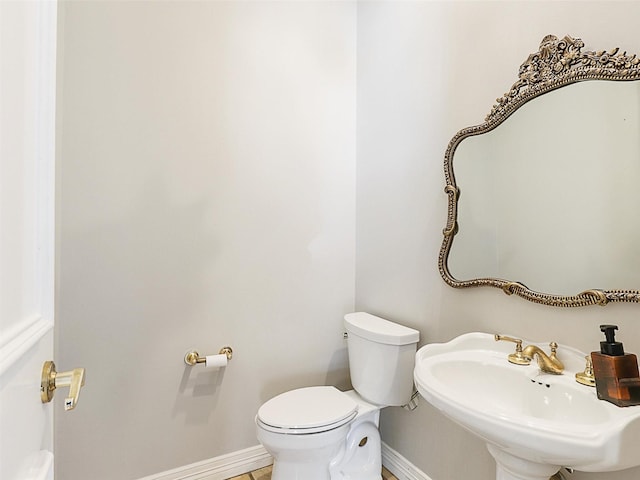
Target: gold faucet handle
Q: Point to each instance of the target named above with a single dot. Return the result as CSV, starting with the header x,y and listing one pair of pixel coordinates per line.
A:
x,y
587,378
554,358
518,358
554,350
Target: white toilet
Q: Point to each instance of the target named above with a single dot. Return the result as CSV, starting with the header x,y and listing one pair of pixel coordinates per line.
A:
x,y
321,433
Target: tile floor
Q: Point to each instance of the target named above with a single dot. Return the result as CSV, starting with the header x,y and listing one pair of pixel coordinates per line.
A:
x,y
265,474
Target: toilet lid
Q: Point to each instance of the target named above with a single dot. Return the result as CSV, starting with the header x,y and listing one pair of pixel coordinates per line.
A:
x,y
307,410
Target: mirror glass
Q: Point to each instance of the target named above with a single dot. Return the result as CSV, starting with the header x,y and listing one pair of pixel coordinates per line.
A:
x,y
547,197
551,197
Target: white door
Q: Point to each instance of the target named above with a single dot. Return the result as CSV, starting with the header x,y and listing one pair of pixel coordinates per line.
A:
x,y
27,146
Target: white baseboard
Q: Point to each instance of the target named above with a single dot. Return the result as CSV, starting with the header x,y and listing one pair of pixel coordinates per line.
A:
x,y
400,466
219,468
253,458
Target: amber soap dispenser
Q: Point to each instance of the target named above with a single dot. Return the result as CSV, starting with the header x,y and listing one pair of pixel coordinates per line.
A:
x,y
616,372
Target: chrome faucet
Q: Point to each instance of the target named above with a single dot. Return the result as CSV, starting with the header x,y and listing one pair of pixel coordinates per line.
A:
x,y
523,356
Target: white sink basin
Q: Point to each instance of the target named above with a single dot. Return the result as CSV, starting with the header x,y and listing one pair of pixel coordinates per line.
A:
x,y
539,420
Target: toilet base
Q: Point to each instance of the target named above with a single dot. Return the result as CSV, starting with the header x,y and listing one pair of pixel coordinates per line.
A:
x,y
350,452
303,457
361,458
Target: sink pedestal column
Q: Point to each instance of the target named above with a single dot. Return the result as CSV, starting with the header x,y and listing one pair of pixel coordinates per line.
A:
x,y
509,467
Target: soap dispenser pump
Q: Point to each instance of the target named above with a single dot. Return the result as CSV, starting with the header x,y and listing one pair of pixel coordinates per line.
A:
x,y
616,372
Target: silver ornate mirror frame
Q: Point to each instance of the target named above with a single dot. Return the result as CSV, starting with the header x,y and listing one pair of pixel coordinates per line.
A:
x,y
558,62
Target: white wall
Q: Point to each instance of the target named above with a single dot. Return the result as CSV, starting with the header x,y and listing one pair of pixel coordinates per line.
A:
x,y
425,71
206,171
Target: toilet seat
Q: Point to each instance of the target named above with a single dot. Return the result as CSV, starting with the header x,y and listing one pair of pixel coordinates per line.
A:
x,y
307,410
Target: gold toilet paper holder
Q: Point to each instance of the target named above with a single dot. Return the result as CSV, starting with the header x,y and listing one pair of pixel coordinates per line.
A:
x,y
193,357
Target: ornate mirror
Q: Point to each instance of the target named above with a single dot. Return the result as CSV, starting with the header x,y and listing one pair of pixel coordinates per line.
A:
x,y
545,199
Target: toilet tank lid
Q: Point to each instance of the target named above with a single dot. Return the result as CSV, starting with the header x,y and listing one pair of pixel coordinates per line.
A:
x,y
379,330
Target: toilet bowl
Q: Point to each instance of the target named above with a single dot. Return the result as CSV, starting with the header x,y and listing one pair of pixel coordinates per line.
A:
x,y
321,433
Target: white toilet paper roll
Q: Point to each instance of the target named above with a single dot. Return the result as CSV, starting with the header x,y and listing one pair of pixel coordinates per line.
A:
x,y
215,361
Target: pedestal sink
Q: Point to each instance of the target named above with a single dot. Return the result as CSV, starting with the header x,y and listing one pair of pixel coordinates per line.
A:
x,y
534,423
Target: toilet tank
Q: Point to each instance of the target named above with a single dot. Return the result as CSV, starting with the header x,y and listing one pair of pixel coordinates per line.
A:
x,y
381,358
